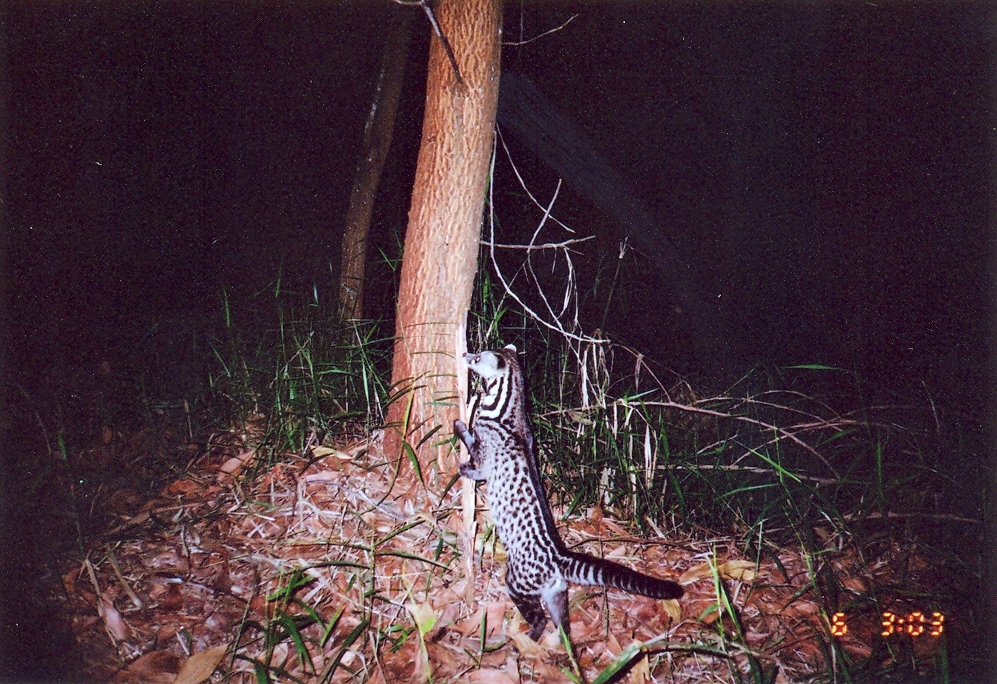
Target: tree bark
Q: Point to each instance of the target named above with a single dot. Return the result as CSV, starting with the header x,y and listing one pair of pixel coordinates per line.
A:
x,y
376,143
440,256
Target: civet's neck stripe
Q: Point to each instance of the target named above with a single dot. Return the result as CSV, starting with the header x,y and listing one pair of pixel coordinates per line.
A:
x,y
539,566
496,400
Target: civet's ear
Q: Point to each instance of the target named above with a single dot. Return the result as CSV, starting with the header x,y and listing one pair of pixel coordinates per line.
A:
x,y
510,347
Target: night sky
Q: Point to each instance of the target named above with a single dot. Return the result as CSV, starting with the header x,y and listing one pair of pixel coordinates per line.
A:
x,y
819,170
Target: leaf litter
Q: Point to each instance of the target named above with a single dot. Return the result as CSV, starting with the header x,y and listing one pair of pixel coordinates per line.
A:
x,y
337,569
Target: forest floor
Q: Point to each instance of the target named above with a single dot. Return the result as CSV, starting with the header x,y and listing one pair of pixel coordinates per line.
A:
x,y
337,569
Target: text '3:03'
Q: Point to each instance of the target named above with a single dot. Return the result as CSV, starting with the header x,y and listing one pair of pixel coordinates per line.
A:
x,y
914,624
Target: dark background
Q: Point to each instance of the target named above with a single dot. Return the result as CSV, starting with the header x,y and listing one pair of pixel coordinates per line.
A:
x,y
820,171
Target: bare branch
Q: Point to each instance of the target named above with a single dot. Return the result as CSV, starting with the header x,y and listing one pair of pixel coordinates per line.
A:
x,y
546,245
522,183
424,4
545,33
556,326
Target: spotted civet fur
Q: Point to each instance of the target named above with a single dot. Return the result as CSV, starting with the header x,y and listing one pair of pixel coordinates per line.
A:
x,y
539,565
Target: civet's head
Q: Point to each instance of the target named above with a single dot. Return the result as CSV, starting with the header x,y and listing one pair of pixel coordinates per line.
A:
x,y
490,365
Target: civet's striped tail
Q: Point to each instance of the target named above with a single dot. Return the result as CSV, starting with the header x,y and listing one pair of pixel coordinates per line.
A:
x,y
580,568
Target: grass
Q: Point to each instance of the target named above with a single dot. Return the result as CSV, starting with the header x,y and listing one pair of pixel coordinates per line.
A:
x,y
770,467
765,467
310,379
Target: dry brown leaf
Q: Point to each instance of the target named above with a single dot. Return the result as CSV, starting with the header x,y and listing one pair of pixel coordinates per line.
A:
x,y
172,600
710,617
641,671
115,624
133,521
69,582
182,487
157,666
856,584
673,608
743,570
596,515
489,676
495,612
423,614
469,625
200,666
587,627
549,673
801,607
613,646
122,501
323,451
613,527
527,646
701,571
448,617
234,465
364,445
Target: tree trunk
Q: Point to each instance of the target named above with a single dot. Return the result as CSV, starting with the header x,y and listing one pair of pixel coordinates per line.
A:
x,y
444,230
376,143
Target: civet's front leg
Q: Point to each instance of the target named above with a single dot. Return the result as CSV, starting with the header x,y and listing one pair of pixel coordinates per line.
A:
x,y
471,469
